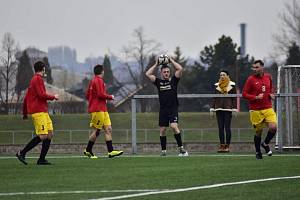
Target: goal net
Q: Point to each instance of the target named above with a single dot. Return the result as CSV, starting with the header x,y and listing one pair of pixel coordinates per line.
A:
x,y
288,107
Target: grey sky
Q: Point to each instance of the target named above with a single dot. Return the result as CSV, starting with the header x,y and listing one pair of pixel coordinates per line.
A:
x,y
92,26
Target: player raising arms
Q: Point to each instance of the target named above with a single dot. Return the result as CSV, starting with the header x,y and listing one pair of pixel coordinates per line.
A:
x,y
259,92
35,103
167,92
97,97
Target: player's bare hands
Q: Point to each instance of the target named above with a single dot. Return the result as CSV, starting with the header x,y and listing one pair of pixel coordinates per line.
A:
x,y
56,96
235,112
211,113
272,96
260,96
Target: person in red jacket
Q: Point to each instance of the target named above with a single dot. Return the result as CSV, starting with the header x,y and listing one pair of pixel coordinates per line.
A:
x,y
97,97
258,90
35,103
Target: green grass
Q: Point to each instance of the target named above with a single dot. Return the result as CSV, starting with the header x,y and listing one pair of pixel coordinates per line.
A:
x,y
153,172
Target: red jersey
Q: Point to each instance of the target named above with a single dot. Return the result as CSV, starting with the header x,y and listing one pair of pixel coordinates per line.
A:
x,y
97,96
256,85
36,97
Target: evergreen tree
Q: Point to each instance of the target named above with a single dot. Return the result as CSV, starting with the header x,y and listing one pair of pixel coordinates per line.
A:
x,y
109,77
24,73
221,56
48,71
293,57
183,62
224,55
179,58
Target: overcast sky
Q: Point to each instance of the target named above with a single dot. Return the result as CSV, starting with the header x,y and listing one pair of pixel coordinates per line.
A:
x,y
93,26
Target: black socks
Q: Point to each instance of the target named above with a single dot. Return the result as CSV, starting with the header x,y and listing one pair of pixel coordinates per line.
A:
x,y
257,141
109,146
269,137
90,146
45,147
35,141
163,142
178,139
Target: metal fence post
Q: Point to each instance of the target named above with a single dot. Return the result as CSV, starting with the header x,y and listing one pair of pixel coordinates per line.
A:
x,y
13,136
133,126
70,138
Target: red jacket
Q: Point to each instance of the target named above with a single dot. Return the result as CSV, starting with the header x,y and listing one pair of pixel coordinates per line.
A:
x,y
256,85
96,95
36,97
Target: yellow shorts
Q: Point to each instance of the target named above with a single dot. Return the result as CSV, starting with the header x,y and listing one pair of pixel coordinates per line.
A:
x,y
259,118
99,119
42,123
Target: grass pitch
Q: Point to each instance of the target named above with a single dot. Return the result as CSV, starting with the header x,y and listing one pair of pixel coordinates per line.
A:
x,y
82,178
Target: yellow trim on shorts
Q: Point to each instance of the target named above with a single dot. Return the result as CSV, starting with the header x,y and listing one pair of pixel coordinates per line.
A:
x,y
42,123
99,119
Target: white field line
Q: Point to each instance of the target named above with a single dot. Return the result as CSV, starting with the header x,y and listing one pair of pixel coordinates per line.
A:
x,y
196,188
72,192
146,192
147,156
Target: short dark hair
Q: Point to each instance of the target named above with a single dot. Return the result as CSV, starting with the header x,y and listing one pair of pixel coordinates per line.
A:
x,y
98,69
225,71
163,66
260,62
39,66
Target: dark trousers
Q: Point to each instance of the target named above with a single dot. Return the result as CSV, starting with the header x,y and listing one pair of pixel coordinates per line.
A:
x,y
224,122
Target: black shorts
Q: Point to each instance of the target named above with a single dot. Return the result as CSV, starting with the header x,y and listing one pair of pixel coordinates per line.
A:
x,y
167,116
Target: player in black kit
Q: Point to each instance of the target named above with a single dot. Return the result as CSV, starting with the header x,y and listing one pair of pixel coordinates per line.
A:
x,y
167,92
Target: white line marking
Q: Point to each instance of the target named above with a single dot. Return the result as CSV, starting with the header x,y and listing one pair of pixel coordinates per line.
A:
x,y
72,192
196,188
145,192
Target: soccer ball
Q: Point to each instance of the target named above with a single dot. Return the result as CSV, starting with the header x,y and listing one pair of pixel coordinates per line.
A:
x,y
163,59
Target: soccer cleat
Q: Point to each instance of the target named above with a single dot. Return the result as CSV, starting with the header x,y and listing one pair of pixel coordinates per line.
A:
x,y
163,153
267,149
21,157
115,153
89,154
258,155
183,152
43,162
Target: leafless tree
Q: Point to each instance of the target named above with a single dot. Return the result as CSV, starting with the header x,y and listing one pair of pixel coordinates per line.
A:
x,y
137,55
290,27
8,68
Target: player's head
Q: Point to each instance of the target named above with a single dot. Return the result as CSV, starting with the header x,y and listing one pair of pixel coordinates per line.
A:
x,y
165,71
98,69
224,74
39,66
258,67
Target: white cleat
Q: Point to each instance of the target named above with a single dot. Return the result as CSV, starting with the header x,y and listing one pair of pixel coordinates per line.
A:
x,y
183,152
270,153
